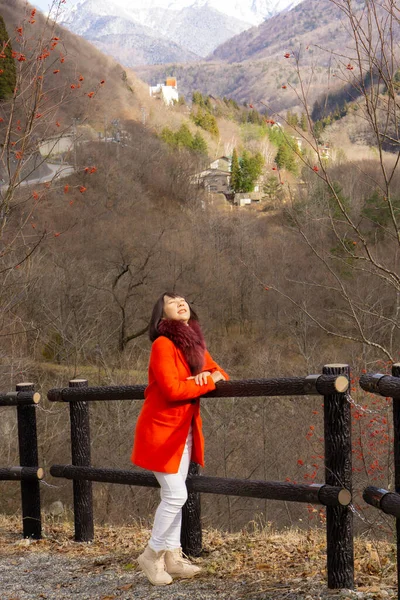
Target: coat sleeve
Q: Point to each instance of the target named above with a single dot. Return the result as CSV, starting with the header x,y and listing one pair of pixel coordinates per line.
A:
x,y
211,365
163,366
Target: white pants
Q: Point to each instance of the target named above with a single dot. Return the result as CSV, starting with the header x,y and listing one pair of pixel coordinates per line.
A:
x,y
166,533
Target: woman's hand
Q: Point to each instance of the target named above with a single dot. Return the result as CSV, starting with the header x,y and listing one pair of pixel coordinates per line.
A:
x,y
217,376
201,378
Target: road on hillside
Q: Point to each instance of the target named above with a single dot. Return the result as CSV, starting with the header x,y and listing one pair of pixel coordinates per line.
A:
x,y
55,172
48,172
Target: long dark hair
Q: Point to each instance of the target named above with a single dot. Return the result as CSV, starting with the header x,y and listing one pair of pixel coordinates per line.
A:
x,y
158,313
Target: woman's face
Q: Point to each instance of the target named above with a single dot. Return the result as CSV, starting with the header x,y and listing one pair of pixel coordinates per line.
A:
x,y
176,309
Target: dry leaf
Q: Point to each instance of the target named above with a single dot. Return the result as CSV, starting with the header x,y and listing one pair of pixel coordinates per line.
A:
x,y
125,588
263,566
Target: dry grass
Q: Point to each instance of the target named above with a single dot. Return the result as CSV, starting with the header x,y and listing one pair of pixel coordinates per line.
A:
x,y
265,558
94,375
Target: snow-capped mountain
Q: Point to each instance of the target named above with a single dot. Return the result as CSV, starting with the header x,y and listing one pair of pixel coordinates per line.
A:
x,y
252,12
195,27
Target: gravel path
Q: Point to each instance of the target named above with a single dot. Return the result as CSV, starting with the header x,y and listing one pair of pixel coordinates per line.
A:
x,y
263,565
47,576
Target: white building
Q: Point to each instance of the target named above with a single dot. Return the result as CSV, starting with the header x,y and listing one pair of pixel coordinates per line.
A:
x,y
167,91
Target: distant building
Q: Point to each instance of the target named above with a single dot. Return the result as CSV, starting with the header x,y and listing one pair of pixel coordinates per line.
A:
x,y
247,198
299,143
217,178
242,200
324,150
213,180
223,163
168,91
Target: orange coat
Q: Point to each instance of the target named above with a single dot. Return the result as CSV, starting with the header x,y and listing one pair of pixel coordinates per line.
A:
x,y
171,404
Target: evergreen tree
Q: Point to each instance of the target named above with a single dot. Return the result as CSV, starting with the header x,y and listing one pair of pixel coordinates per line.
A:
x,y
250,169
235,172
206,121
292,119
8,76
286,158
199,144
209,123
184,137
245,171
273,189
304,122
197,98
276,135
318,129
168,136
255,117
207,104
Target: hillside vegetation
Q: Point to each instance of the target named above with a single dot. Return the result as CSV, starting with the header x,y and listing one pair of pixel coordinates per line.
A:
x,y
281,289
119,96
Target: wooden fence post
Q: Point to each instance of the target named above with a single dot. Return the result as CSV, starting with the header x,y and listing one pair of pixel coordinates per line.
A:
x,y
396,449
80,454
338,472
191,533
28,457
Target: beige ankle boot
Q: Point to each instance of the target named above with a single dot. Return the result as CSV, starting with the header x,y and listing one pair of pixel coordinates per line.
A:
x,y
179,566
153,566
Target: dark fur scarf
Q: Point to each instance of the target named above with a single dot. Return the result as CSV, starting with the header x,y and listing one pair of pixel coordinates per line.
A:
x,y
188,338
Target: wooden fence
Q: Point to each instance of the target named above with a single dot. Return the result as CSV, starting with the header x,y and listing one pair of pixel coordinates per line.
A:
x,y
25,399
389,502
334,493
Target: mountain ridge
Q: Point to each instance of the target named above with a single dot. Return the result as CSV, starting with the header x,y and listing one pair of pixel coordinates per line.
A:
x,y
264,63
305,24
195,27
252,12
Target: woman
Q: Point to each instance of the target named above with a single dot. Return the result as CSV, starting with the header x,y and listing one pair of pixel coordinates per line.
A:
x,y
168,432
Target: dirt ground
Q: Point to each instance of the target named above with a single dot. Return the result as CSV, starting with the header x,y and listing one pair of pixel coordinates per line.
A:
x,y
260,565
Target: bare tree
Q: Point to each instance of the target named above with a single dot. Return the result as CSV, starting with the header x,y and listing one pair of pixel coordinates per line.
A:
x,y
347,215
31,127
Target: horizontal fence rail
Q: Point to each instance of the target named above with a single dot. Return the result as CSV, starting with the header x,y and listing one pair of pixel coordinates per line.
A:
x,y
388,502
19,398
286,386
271,490
378,383
21,473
